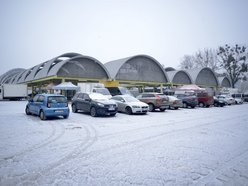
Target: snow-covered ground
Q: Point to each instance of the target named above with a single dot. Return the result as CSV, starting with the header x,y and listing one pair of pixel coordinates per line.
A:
x,y
202,146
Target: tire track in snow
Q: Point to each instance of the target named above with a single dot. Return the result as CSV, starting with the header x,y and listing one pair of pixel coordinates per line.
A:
x,y
90,138
231,162
158,135
50,139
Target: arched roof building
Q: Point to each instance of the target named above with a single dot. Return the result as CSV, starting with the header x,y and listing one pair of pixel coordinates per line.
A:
x,y
179,77
224,82
203,77
9,76
142,68
69,65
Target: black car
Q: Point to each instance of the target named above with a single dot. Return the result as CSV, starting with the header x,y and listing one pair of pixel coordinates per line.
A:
x,y
219,102
94,103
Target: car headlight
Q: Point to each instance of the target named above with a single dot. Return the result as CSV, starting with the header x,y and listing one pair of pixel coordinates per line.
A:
x,y
134,106
100,104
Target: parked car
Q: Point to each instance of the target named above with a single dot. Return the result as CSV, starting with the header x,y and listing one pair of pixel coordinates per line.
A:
x,y
205,99
155,101
228,99
48,105
239,98
219,102
175,103
188,100
94,103
130,105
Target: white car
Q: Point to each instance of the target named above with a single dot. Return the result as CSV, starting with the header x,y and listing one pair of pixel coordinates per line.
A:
x,y
130,105
228,99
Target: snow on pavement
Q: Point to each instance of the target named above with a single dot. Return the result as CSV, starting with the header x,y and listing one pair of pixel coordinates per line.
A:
x,y
202,146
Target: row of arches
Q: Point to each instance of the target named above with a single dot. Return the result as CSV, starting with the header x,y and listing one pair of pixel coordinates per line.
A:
x,y
138,69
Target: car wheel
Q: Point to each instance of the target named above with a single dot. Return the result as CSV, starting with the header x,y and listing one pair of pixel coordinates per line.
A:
x,y
185,105
112,115
27,111
175,108
42,115
162,109
65,117
192,107
93,112
151,107
74,108
201,104
129,111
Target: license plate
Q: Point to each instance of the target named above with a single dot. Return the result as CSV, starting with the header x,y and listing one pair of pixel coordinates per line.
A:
x,y
59,111
111,108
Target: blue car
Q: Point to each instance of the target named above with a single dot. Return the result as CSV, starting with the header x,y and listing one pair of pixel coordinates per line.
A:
x,y
48,105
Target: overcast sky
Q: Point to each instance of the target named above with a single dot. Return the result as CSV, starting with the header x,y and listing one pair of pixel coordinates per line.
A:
x,y
34,31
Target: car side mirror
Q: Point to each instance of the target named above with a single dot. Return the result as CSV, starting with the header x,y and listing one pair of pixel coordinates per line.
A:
x,y
87,99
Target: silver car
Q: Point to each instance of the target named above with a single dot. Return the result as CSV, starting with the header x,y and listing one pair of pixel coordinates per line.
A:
x,y
130,105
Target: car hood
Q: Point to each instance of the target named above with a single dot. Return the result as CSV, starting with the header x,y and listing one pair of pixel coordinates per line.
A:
x,y
137,103
106,102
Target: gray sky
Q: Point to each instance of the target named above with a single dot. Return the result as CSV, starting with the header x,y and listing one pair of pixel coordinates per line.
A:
x,y
33,31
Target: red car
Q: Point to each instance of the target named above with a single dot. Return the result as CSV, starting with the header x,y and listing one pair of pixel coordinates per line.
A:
x,y
204,99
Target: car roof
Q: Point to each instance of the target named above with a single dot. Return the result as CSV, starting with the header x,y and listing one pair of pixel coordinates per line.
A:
x,y
51,95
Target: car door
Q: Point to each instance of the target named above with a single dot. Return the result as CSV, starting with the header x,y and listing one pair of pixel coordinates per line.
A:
x,y
32,104
79,102
86,103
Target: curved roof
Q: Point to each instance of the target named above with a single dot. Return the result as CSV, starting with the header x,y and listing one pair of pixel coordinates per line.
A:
x,y
8,76
224,81
66,65
179,77
203,76
137,68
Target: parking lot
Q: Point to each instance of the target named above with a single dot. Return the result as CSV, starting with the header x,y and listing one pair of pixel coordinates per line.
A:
x,y
201,146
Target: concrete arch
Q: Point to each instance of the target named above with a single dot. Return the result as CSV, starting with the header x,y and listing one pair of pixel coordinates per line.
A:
x,y
179,77
142,68
9,75
45,67
225,82
203,77
81,67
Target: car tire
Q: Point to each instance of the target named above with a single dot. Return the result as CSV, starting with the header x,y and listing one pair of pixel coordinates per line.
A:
x,y
176,108
162,109
65,117
74,108
151,107
201,104
27,111
128,110
192,107
93,112
42,115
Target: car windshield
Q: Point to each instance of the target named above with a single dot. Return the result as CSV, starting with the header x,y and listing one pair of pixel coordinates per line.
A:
x,y
98,97
130,99
57,99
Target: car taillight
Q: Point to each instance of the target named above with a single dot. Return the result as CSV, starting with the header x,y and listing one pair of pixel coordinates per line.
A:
x,y
48,105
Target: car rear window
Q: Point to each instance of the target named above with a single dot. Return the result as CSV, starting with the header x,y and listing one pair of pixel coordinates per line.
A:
x,y
57,99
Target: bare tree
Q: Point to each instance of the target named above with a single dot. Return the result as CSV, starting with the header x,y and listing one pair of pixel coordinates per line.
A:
x,y
188,62
201,59
234,61
207,58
